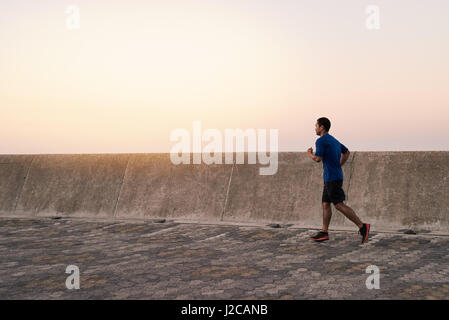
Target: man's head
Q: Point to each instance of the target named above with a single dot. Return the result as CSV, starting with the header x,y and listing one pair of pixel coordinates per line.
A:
x,y
322,126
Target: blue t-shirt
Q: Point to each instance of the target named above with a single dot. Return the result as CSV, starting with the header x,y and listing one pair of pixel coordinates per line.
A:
x,y
330,150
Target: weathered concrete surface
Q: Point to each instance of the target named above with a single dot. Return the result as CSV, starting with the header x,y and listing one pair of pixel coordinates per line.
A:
x,y
13,171
402,188
72,185
392,190
144,260
293,194
154,187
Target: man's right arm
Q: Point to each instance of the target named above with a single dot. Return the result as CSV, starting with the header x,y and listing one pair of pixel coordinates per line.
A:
x,y
319,153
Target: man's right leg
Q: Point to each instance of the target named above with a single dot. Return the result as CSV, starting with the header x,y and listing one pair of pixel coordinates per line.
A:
x,y
327,215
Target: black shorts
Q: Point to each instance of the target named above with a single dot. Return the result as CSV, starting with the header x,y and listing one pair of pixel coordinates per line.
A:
x,y
333,192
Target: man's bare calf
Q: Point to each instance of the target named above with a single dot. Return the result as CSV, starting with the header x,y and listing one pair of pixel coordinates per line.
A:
x,y
349,213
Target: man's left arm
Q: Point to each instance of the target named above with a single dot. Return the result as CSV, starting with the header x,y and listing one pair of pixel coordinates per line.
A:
x,y
344,155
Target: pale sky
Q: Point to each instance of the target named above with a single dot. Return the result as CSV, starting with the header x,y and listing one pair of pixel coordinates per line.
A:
x,y
137,70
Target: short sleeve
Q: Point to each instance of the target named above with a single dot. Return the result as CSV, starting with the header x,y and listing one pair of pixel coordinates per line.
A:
x,y
343,148
319,148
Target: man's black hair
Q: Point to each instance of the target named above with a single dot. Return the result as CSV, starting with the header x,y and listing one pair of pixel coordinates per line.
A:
x,y
325,122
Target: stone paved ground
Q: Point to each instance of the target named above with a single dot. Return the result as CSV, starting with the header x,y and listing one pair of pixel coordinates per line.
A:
x,y
146,260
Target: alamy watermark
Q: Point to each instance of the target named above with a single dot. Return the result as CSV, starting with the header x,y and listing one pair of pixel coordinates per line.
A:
x,y
372,22
72,281
373,281
212,151
72,21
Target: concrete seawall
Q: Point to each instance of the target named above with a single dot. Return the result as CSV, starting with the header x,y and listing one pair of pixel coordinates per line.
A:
x,y
392,190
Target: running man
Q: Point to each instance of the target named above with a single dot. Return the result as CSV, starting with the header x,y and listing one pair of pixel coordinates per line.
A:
x,y
334,155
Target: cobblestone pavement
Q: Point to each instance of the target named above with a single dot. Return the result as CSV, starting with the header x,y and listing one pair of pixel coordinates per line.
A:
x,y
146,260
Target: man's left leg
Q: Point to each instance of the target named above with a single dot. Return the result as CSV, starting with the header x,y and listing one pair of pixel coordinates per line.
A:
x,y
327,215
338,196
349,213
364,228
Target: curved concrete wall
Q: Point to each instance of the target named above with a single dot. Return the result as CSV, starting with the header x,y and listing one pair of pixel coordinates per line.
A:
x,y
389,189
72,185
154,187
13,171
402,188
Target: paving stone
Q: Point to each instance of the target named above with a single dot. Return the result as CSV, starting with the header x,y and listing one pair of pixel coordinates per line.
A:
x,y
146,260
